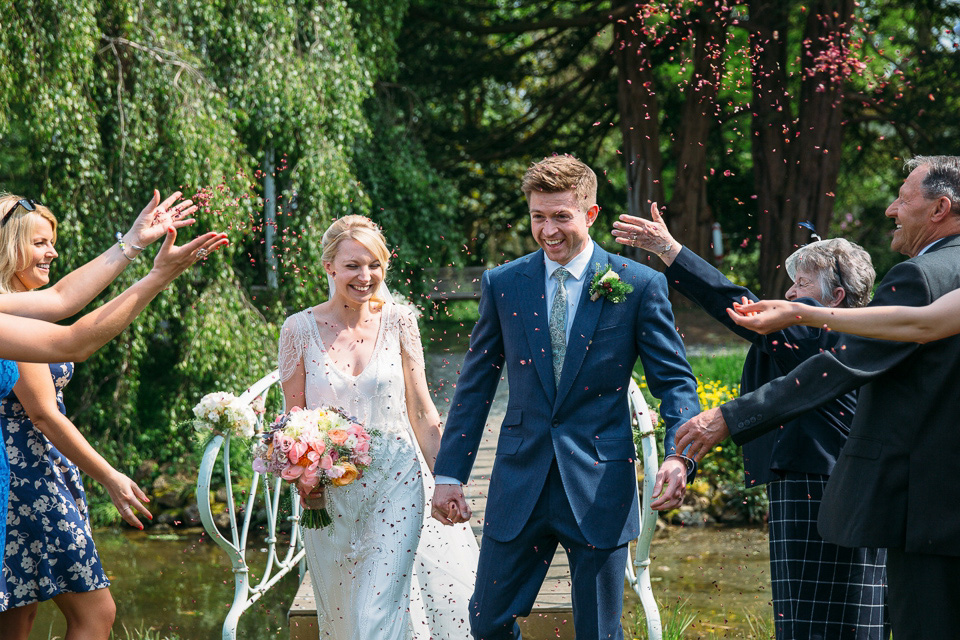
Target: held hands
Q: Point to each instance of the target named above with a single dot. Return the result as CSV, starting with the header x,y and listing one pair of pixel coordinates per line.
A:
x,y
157,216
766,316
449,505
701,433
671,484
126,496
651,235
172,260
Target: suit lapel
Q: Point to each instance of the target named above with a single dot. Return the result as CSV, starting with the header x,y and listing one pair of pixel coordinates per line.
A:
x,y
584,324
532,301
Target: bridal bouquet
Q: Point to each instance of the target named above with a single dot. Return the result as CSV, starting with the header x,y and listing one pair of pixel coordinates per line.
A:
x,y
314,447
221,413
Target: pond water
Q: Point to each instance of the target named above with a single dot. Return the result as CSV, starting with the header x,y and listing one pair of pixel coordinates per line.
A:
x,y
178,585
181,586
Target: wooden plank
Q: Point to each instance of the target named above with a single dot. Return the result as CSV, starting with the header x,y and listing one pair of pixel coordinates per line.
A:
x,y
449,283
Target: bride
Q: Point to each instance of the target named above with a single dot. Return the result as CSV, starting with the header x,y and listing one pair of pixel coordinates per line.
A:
x,y
381,570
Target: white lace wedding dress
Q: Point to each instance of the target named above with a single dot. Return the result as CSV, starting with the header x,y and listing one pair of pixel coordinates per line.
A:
x,y
383,570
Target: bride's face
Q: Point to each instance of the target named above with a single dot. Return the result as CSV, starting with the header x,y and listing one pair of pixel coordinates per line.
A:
x,y
356,272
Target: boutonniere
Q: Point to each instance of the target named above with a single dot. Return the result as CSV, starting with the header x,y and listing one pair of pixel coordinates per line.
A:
x,y
607,283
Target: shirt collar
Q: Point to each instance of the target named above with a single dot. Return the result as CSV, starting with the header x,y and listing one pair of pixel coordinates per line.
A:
x,y
927,248
577,266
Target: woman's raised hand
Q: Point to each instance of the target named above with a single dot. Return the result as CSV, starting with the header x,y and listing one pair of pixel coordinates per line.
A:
x,y
172,260
767,316
157,216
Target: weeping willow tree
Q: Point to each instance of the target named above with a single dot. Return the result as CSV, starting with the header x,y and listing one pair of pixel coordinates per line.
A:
x,y
101,101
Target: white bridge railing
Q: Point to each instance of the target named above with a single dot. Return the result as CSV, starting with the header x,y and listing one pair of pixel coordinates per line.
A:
x,y
246,593
638,571
281,558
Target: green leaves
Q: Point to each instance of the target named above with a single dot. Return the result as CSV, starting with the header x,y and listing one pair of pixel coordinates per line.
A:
x,y
101,101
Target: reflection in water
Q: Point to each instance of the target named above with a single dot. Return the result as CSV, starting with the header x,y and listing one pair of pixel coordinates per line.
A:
x,y
181,586
722,576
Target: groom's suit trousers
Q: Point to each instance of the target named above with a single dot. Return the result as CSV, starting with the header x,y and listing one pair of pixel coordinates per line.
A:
x,y
511,573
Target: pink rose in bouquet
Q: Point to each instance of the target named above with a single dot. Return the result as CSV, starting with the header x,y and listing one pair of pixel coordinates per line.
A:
x,y
312,448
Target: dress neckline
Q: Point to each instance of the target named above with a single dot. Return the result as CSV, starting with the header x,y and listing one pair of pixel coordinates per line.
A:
x,y
329,360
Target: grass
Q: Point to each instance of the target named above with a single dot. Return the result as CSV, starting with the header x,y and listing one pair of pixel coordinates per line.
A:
x,y
140,633
723,366
675,622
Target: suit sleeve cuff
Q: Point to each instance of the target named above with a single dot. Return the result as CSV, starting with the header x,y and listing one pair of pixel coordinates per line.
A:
x,y
691,465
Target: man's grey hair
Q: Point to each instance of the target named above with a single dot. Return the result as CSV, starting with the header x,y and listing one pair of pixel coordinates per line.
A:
x,y
942,180
836,263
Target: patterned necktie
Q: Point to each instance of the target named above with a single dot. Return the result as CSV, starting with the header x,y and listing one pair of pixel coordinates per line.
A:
x,y
558,323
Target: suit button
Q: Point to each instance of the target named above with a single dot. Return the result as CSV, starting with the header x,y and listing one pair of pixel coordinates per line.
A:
x,y
555,424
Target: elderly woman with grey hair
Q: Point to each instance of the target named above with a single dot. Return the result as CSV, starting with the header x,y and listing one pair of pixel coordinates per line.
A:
x,y
819,589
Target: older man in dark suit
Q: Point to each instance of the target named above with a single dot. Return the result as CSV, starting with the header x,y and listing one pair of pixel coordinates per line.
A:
x,y
886,490
795,461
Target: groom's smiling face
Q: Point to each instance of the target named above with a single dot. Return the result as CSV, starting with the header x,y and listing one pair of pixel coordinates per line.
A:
x,y
559,225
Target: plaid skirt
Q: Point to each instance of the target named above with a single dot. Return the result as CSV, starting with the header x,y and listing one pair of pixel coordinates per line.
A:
x,y
820,590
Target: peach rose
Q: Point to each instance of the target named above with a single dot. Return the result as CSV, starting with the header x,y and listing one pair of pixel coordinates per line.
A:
x,y
350,473
337,436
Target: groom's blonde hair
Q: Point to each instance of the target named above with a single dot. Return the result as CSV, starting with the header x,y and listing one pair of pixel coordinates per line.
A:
x,y
562,173
360,229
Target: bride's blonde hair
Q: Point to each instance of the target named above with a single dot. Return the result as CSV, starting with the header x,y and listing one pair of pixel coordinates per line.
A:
x,y
360,229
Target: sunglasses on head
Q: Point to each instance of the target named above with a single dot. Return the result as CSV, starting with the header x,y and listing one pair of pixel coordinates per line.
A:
x,y
28,205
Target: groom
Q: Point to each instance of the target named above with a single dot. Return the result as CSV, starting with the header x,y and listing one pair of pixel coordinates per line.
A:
x,y
564,470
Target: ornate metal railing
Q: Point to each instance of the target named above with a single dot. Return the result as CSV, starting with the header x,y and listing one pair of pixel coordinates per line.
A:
x,y
638,571
246,593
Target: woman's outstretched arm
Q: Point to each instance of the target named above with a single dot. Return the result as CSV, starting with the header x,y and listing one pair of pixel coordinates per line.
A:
x,y
79,287
30,340
936,321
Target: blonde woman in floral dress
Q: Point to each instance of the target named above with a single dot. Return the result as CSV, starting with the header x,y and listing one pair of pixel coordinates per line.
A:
x,y
379,571
49,548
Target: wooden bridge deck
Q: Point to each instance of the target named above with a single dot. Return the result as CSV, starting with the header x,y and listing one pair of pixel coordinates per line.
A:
x,y
552,615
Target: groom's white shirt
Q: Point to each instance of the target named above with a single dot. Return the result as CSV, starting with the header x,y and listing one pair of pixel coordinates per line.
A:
x,y
574,286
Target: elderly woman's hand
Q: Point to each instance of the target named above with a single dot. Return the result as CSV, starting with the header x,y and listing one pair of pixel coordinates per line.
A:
x,y
651,235
156,217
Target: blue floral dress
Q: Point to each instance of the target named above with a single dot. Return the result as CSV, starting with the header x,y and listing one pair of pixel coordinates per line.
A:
x,y
8,377
49,548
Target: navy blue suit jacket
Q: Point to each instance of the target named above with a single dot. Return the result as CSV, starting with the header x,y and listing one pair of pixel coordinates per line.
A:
x,y
584,423
809,443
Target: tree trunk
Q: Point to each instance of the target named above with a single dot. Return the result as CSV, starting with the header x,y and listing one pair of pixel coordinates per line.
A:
x,y
639,112
691,217
795,161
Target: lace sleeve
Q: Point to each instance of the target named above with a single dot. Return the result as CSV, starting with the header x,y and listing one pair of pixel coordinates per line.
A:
x,y
291,346
410,342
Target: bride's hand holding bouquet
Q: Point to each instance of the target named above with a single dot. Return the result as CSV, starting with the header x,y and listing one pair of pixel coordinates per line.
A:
x,y
312,449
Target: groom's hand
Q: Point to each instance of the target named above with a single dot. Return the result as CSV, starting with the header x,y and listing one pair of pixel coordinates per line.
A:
x,y
670,485
449,505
